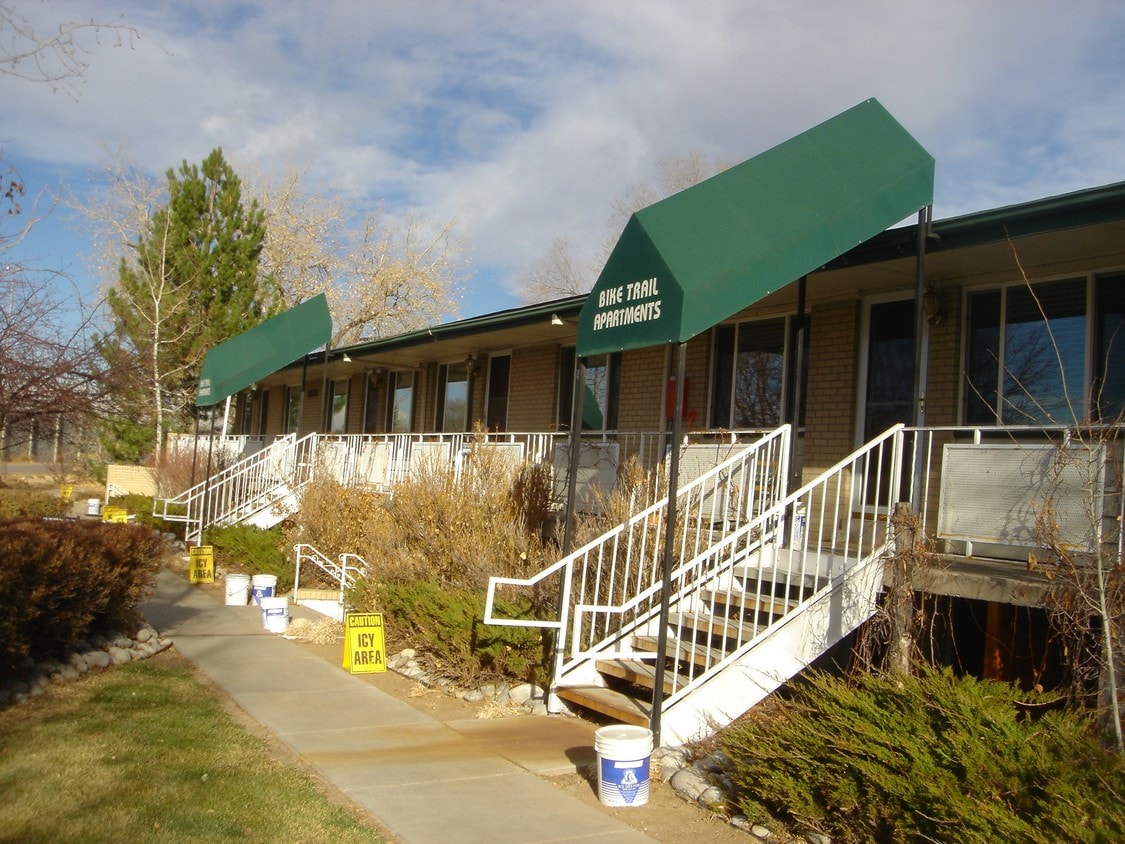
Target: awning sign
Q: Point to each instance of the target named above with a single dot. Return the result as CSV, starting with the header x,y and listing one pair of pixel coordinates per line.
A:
x,y
365,651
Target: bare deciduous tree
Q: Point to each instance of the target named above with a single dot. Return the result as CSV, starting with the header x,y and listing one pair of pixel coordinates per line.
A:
x,y
562,271
56,57
381,277
47,369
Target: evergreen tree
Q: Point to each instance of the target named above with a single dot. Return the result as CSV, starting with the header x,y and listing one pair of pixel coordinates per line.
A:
x,y
190,282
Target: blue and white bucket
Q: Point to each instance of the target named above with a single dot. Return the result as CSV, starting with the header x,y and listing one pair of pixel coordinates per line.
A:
x,y
624,753
275,614
262,586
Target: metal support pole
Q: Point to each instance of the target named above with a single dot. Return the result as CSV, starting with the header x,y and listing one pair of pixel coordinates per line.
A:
x,y
669,546
921,352
577,401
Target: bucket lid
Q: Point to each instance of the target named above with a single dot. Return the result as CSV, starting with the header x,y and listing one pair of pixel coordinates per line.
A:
x,y
622,733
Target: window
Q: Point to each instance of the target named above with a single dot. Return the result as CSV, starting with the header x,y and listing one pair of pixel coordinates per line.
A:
x,y
1026,352
400,409
603,380
453,398
339,409
292,409
371,404
245,411
1109,380
888,396
263,412
499,377
748,373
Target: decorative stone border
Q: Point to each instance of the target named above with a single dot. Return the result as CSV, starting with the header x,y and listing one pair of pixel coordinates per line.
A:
x,y
97,652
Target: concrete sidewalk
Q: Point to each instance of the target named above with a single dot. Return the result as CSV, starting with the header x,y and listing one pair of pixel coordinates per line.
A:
x,y
424,780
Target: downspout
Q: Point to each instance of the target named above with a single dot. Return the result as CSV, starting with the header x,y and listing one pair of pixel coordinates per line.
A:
x,y
796,386
921,348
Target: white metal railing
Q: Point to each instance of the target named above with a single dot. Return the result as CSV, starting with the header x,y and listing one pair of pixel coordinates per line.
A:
x,y
803,543
379,461
244,488
343,570
625,562
924,468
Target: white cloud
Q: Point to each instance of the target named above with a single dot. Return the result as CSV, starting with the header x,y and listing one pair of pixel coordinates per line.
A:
x,y
525,120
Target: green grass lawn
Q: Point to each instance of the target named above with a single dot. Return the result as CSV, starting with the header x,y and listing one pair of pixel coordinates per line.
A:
x,y
146,753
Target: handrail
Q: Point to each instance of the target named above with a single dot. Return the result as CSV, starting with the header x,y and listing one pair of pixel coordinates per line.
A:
x,y
626,558
303,551
245,487
603,623
823,559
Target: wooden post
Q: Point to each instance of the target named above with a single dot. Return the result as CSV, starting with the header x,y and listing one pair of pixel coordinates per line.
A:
x,y
900,597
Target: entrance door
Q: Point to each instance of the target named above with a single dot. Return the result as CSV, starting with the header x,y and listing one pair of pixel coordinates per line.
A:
x,y
889,377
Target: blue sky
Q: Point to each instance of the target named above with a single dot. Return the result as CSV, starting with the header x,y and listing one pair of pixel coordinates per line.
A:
x,y
524,120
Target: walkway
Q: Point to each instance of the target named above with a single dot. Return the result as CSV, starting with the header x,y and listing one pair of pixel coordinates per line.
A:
x,y
422,779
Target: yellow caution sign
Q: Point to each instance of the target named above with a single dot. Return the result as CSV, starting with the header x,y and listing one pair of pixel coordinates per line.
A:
x,y
117,515
66,492
201,564
365,651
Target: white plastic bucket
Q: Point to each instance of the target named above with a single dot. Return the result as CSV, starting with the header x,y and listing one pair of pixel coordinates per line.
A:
x,y
237,589
275,614
623,764
262,586
93,506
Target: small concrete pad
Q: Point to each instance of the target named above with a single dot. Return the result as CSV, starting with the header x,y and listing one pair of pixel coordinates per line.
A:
x,y
547,746
518,807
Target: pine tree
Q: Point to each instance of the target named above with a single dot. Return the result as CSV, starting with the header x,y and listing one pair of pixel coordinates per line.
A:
x,y
190,282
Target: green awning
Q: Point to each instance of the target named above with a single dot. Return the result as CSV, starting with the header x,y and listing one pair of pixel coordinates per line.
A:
x,y
694,259
264,349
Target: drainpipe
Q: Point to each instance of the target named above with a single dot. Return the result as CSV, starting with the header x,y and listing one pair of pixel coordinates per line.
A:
x,y
796,384
921,347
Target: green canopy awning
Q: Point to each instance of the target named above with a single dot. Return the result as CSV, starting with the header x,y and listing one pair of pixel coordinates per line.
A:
x,y
264,349
694,259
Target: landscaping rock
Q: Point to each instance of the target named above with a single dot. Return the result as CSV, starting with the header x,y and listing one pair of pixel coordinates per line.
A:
x,y
110,650
690,783
521,694
670,760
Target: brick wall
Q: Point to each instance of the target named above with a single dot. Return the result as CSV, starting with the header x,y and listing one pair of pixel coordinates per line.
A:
x,y
135,480
533,391
830,401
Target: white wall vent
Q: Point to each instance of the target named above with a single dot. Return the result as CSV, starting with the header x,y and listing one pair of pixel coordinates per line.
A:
x,y
993,493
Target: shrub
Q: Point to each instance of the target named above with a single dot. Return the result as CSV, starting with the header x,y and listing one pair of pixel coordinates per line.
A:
x,y
449,625
252,550
62,580
19,502
140,506
927,758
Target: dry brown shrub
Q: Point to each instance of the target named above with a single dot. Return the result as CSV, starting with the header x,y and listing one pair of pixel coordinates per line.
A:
x,y
177,471
337,519
453,530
